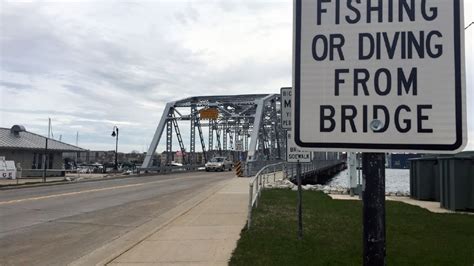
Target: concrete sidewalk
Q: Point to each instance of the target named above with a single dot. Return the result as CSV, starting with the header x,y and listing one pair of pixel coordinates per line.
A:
x,y
432,206
205,235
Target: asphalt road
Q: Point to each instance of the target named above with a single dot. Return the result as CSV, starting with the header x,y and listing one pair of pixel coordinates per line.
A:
x,y
55,225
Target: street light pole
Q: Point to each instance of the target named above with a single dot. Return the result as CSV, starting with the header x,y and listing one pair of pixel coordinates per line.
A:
x,y
115,133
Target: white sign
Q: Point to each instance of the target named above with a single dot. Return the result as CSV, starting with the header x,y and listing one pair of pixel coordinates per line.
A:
x,y
379,75
7,174
285,94
7,169
294,153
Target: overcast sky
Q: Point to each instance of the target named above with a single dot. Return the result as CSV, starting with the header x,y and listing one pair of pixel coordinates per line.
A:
x,y
90,65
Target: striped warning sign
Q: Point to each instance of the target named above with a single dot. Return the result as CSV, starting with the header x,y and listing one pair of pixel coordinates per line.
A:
x,y
239,171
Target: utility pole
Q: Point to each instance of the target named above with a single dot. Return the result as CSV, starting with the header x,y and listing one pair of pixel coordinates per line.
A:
x,y
77,145
45,161
115,133
49,127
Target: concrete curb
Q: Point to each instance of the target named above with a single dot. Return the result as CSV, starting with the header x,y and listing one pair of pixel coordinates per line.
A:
x,y
122,244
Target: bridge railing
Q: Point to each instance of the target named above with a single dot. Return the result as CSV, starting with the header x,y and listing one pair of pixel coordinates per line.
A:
x,y
310,168
171,168
264,175
257,183
252,167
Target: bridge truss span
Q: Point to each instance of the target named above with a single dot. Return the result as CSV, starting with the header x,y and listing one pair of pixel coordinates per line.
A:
x,y
242,127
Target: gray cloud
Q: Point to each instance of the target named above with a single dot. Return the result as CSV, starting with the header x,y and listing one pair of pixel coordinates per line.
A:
x,y
90,65
187,16
13,86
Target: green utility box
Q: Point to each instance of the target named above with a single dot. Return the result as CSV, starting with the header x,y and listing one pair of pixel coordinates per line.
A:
x,y
424,179
457,181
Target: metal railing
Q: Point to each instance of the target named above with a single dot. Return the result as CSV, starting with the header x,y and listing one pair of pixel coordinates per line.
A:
x,y
252,167
24,173
46,175
289,170
310,168
257,183
39,174
171,168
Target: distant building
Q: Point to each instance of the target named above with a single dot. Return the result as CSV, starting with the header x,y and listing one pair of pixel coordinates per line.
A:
x,y
29,151
89,157
164,157
179,157
103,157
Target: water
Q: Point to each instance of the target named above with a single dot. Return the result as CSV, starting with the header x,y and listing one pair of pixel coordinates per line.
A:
x,y
395,180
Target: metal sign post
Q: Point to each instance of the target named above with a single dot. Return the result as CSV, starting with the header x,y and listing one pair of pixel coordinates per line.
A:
x,y
373,197
293,152
300,201
45,160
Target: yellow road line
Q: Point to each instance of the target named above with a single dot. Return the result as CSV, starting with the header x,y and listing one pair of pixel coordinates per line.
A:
x,y
84,191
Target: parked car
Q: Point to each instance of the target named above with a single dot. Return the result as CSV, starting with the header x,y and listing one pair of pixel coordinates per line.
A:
x,y
218,164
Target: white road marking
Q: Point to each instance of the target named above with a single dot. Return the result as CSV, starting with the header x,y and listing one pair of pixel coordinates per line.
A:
x,y
87,191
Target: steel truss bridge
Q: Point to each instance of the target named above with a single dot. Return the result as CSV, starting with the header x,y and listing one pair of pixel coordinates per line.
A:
x,y
245,128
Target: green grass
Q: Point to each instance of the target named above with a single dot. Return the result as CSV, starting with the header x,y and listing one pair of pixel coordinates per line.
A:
x,y
333,233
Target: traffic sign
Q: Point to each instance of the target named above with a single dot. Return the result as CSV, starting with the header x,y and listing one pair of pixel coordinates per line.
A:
x,y
209,113
379,75
285,94
294,153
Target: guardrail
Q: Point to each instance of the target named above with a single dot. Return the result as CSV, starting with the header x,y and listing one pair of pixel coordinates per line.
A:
x,y
170,168
252,167
310,168
257,183
39,174
44,174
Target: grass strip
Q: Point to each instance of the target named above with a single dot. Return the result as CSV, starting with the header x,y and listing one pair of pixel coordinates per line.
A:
x,y
333,233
